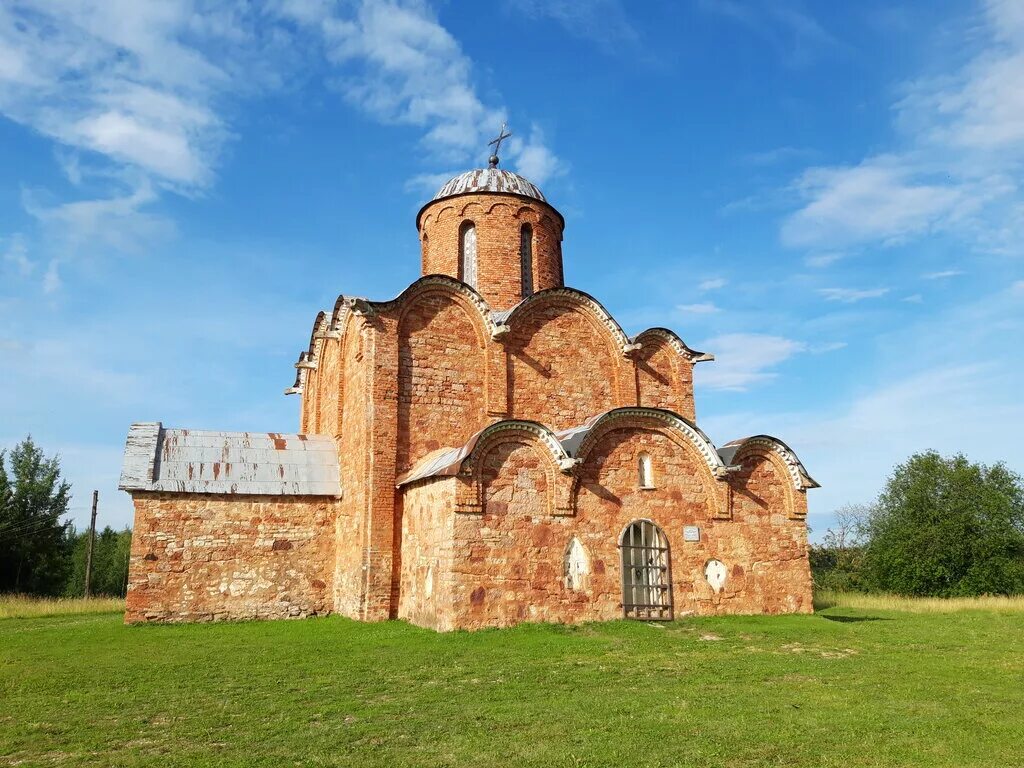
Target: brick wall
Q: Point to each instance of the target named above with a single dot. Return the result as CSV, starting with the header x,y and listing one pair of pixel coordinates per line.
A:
x,y
510,556
562,366
498,220
201,557
441,376
428,559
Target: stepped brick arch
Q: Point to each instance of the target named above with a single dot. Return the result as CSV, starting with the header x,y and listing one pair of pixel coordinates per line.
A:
x,y
602,433
565,358
770,478
442,365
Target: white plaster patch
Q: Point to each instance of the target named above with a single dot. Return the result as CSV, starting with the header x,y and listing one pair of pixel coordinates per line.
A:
x,y
715,572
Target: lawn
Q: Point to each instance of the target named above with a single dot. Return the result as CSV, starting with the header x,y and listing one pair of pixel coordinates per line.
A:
x,y
851,686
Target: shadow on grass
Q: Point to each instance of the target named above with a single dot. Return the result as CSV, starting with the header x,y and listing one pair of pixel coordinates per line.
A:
x,y
853,619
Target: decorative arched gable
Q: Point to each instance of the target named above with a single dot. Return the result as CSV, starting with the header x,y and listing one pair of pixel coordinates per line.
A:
x,y
794,468
580,440
575,298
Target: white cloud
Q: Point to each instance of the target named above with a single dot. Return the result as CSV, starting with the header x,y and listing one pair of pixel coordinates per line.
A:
x,y
603,21
1017,289
957,169
703,308
914,298
51,280
16,254
120,222
946,273
712,284
400,65
818,260
744,359
851,295
828,346
123,78
878,200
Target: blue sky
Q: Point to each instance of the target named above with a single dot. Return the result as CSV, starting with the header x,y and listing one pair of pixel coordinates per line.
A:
x,y
825,195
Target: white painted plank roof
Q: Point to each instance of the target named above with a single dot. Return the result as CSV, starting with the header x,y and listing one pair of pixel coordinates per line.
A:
x,y
201,461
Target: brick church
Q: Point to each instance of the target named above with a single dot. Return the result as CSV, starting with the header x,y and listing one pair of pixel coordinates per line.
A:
x,y
487,448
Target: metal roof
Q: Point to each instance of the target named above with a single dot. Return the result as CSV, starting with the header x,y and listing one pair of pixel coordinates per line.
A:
x,y
200,461
490,180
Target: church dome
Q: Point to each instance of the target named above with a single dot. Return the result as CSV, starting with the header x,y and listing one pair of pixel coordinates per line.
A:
x,y
494,180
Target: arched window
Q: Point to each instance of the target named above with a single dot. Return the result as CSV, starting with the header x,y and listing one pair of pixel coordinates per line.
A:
x,y
467,253
645,471
526,258
577,566
646,572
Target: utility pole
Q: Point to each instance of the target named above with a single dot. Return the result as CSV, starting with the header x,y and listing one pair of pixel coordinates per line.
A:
x,y
92,540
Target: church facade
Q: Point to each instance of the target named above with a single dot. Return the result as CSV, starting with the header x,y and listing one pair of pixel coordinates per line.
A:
x,y
487,448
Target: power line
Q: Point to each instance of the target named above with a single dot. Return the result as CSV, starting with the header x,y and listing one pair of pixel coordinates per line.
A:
x,y
34,523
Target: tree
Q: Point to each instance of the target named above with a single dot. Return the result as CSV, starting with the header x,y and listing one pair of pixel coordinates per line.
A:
x,y
837,563
109,563
34,543
947,527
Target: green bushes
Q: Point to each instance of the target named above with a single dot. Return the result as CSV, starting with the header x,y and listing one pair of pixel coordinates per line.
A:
x,y
941,528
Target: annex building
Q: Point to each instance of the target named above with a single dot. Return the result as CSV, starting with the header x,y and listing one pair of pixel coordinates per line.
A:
x,y
487,448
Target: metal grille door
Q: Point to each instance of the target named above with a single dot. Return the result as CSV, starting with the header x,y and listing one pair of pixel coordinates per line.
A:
x,y
646,572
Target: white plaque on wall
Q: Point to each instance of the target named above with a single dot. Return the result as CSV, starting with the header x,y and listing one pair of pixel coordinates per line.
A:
x,y
691,533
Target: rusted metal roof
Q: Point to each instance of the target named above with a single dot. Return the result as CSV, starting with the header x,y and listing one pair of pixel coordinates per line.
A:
x,y
200,461
490,180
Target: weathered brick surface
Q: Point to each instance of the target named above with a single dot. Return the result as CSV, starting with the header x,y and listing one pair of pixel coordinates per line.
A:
x,y
428,560
663,378
498,220
198,558
509,560
397,381
441,371
563,366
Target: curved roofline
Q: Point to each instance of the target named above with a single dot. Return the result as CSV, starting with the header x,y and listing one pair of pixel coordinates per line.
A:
x,y
797,472
575,439
419,214
448,462
330,324
604,315
676,343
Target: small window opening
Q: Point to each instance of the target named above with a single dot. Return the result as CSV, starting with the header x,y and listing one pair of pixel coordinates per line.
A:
x,y
467,254
646,471
526,258
577,566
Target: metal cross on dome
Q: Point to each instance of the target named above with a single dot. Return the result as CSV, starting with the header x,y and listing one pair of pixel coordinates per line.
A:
x,y
503,134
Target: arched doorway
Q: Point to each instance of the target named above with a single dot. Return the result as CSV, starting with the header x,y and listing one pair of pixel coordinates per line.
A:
x,y
646,572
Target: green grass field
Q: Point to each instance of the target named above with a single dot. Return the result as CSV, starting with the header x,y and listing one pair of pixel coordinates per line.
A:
x,y
851,686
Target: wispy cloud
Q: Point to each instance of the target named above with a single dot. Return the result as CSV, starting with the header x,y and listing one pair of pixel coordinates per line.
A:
x,y
605,22
745,359
712,284
16,254
703,308
819,260
914,298
962,137
795,36
944,274
852,295
396,62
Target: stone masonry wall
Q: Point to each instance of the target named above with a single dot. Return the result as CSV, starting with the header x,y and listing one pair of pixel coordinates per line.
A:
x,y
562,367
203,557
441,371
511,557
664,379
425,597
